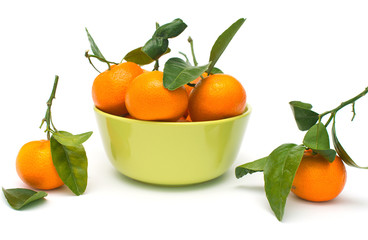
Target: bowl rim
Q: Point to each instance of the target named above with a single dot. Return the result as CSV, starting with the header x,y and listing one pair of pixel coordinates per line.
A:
x,y
248,110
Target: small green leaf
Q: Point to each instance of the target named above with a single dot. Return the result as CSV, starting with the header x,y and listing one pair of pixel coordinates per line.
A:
x,y
96,51
305,118
68,139
216,70
279,172
341,151
223,41
71,164
328,154
317,137
302,105
159,43
139,57
156,47
177,73
20,197
251,167
170,30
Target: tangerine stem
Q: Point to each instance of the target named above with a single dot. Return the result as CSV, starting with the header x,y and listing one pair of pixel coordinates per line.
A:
x,y
190,40
87,55
48,119
90,62
344,104
186,58
156,65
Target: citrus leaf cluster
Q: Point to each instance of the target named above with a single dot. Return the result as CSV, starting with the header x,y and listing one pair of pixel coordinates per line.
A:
x,y
177,72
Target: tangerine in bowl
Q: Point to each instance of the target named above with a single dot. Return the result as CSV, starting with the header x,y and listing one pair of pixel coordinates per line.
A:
x,y
172,153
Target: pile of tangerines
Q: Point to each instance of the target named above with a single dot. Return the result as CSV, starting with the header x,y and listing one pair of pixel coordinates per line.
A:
x,y
129,91
181,92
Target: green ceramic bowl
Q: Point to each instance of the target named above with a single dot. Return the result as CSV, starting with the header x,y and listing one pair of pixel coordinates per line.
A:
x,y
171,153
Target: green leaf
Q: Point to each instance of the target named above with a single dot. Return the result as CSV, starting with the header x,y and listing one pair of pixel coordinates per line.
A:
x,y
216,70
223,41
96,51
159,43
170,30
328,154
305,118
251,167
139,57
68,139
279,172
20,197
156,47
301,105
71,164
177,73
341,151
317,137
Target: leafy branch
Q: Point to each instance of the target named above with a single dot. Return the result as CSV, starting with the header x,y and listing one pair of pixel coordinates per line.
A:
x,y
279,168
67,151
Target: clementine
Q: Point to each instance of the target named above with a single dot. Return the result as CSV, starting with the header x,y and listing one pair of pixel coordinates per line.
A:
x,y
35,167
317,179
109,87
147,99
216,97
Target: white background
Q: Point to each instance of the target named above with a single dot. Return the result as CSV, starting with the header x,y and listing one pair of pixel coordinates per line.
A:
x,y
312,51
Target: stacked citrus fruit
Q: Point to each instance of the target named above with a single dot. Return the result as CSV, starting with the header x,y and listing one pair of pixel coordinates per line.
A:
x,y
181,92
142,96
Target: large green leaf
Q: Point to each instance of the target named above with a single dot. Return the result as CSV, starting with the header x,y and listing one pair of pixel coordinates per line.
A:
x,y
317,137
223,41
170,30
305,118
279,172
251,167
96,51
177,73
71,164
68,139
20,197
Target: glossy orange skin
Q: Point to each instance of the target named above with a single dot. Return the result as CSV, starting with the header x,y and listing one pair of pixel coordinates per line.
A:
x,y
109,88
35,167
217,96
147,99
317,179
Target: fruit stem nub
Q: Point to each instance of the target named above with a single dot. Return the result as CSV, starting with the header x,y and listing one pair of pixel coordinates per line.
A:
x,y
156,67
